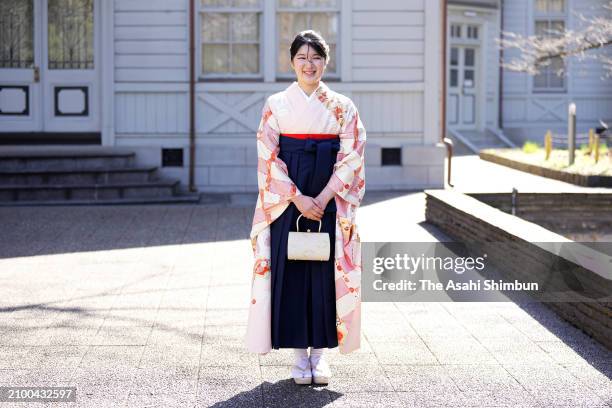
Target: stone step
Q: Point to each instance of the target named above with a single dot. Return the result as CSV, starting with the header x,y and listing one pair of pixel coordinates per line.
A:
x,y
69,192
54,158
108,175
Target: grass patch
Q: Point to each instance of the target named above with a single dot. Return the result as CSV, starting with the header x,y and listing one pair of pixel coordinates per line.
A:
x,y
584,163
530,147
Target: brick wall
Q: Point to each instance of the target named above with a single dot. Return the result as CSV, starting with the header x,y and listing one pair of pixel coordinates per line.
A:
x,y
558,212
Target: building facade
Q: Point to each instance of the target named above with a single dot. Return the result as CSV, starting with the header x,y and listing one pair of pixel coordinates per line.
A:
x,y
121,70
482,98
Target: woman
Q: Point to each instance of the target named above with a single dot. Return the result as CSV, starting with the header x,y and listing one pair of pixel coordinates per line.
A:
x,y
310,147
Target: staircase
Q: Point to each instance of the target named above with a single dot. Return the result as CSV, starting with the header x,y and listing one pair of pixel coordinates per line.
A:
x,y
81,175
473,141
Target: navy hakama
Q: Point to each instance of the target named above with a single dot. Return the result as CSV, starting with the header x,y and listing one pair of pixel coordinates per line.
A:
x,y
303,292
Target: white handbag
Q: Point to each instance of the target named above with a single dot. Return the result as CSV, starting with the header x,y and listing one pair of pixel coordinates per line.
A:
x,y
308,246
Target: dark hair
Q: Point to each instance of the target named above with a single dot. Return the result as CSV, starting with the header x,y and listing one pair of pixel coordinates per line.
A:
x,y
314,39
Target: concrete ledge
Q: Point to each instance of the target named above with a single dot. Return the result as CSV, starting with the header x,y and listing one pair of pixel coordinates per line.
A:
x,y
574,178
468,220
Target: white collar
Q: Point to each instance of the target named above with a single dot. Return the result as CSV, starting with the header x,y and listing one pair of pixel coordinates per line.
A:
x,y
308,98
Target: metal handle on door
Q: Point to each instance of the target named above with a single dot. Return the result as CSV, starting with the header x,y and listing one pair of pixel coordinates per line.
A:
x,y
36,74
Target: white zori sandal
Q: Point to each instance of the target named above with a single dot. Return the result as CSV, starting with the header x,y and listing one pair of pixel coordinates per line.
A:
x,y
321,372
300,371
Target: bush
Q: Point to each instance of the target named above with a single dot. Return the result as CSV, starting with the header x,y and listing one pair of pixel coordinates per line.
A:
x,y
530,147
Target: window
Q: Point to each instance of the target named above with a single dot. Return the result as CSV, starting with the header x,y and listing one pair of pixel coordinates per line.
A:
x,y
454,70
472,32
550,22
70,36
294,16
16,34
455,30
230,35
233,37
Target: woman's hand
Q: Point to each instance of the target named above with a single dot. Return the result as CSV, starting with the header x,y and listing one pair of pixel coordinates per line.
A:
x,y
309,207
325,197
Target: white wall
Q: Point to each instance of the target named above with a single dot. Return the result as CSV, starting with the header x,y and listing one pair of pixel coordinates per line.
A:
x,y
388,40
383,69
151,41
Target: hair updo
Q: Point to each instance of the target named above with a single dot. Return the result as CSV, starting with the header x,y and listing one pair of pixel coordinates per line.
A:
x,y
312,38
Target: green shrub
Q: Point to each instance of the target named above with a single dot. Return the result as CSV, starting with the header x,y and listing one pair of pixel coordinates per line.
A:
x,y
530,147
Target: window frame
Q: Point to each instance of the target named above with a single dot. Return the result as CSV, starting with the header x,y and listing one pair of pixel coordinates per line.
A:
x,y
549,17
264,41
227,10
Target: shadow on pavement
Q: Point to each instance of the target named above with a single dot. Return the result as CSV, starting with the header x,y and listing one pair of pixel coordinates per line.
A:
x,y
283,393
31,231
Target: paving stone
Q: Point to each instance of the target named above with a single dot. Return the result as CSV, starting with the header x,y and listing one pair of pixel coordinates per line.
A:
x,y
597,377
481,378
414,352
228,377
460,351
500,398
170,356
548,377
222,355
104,382
420,378
17,357
122,336
182,336
165,380
111,357
378,399
429,399
232,398
569,399
178,400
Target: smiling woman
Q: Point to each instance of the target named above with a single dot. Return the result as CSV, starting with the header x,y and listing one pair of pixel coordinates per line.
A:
x,y
309,58
310,147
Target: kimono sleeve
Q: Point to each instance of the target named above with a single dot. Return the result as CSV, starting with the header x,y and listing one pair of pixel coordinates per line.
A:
x,y
348,178
275,186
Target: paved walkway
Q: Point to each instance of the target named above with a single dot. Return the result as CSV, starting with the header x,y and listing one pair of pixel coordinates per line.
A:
x,y
147,305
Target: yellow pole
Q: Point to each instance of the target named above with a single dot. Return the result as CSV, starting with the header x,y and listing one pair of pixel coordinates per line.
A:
x,y
548,143
596,141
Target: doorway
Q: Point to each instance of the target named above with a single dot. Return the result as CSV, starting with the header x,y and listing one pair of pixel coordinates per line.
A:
x,y
463,87
50,66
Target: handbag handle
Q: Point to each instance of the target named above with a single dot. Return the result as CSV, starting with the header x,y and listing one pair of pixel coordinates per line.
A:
x,y
297,224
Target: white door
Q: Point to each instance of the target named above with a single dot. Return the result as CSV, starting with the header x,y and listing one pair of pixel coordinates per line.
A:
x,y
49,66
462,87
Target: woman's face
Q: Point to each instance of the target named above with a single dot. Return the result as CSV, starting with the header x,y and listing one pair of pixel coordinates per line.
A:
x,y
308,65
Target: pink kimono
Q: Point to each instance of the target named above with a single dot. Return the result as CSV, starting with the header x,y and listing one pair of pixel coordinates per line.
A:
x,y
327,112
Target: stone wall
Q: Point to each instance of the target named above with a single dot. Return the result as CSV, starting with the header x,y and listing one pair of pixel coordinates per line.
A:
x,y
468,220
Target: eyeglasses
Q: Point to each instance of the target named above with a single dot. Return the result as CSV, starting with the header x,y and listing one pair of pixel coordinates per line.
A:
x,y
315,60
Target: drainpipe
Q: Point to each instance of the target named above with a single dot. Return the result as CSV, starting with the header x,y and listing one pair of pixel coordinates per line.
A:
x,y
500,91
447,142
192,187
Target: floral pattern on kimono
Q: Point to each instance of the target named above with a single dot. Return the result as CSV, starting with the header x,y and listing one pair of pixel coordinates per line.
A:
x,y
339,116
